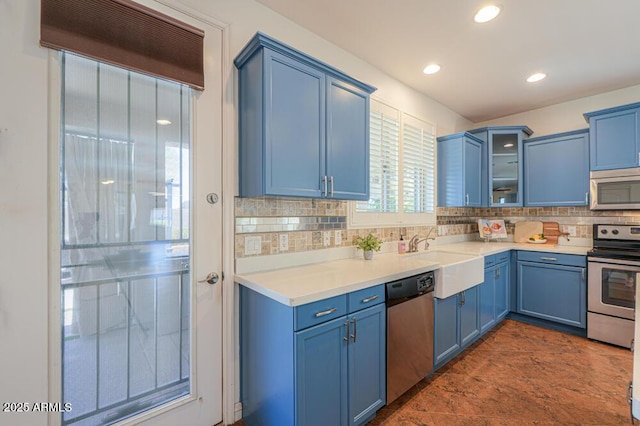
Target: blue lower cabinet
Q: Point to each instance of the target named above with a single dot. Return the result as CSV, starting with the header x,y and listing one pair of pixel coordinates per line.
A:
x,y
553,292
502,290
469,321
487,300
367,364
321,374
447,329
494,291
325,371
456,324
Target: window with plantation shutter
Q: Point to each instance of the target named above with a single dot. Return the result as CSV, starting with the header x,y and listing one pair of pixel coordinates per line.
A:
x,y
402,171
384,133
418,174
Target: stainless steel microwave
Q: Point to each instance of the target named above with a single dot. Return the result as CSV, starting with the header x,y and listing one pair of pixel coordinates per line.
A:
x,y
615,189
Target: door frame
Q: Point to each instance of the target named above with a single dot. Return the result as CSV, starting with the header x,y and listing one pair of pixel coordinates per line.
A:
x,y
231,411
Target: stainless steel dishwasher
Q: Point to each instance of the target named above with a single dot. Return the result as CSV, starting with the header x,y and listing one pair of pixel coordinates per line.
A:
x,y
409,332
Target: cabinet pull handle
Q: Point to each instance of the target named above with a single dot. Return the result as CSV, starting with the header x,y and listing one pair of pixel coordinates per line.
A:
x,y
491,198
331,186
633,343
324,182
466,199
462,299
346,338
355,330
586,198
327,312
638,157
497,274
552,259
369,299
583,274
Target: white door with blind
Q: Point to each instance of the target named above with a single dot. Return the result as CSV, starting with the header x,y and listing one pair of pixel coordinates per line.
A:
x,y
141,328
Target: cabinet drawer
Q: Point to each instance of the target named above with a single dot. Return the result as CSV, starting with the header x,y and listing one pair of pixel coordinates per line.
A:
x,y
489,260
553,258
318,312
503,257
364,298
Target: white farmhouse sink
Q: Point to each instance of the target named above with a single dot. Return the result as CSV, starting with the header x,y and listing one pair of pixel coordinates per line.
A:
x,y
457,271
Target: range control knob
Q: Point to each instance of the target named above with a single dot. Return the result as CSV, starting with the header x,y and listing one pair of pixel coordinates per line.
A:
x,y
604,231
614,232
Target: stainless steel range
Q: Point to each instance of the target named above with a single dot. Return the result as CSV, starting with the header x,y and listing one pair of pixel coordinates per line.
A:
x,y
614,265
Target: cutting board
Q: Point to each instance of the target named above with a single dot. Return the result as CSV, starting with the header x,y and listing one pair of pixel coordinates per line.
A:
x,y
526,229
551,231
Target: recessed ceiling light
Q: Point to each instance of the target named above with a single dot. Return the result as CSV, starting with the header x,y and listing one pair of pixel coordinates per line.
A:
x,y
508,145
486,14
431,69
536,77
107,181
163,122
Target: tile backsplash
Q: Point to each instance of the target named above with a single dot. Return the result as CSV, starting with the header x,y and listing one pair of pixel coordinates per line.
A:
x,y
305,221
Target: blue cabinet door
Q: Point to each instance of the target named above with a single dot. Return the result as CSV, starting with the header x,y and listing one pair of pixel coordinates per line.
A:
x,y
552,292
614,137
367,363
321,374
294,127
472,173
347,141
501,286
487,300
447,329
459,171
556,170
468,311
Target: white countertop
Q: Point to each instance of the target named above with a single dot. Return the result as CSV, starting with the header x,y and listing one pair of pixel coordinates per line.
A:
x,y
304,284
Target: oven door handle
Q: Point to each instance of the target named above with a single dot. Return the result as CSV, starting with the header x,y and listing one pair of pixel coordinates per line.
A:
x,y
607,261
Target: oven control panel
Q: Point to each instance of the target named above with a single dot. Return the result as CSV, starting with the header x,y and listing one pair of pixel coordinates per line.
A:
x,y
616,232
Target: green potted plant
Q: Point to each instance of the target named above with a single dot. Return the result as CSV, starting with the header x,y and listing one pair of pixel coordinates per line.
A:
x,y
368,244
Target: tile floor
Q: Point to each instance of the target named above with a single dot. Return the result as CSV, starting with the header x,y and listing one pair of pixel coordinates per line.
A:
x,y
520,374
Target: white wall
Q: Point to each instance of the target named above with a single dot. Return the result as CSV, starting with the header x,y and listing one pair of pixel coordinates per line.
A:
x,y
24,173
245,17
23,210
568,115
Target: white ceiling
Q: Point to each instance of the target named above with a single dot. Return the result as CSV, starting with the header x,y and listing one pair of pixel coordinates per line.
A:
x,y
585,47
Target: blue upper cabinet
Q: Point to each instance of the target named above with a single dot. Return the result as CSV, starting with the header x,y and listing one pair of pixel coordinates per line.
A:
x,y
614,136
459,171
303,125
347,141
556,170
502,160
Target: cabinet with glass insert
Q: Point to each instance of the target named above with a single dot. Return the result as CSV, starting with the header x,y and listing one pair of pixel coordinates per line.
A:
x,y
503,163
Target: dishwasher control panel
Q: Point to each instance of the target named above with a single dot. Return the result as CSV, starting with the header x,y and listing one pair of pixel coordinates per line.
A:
x,y
411,286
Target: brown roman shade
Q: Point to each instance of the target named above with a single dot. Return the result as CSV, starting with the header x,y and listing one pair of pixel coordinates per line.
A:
x,y
127,34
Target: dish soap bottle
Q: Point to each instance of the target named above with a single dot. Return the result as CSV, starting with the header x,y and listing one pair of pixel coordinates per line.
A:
x,y
402,246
